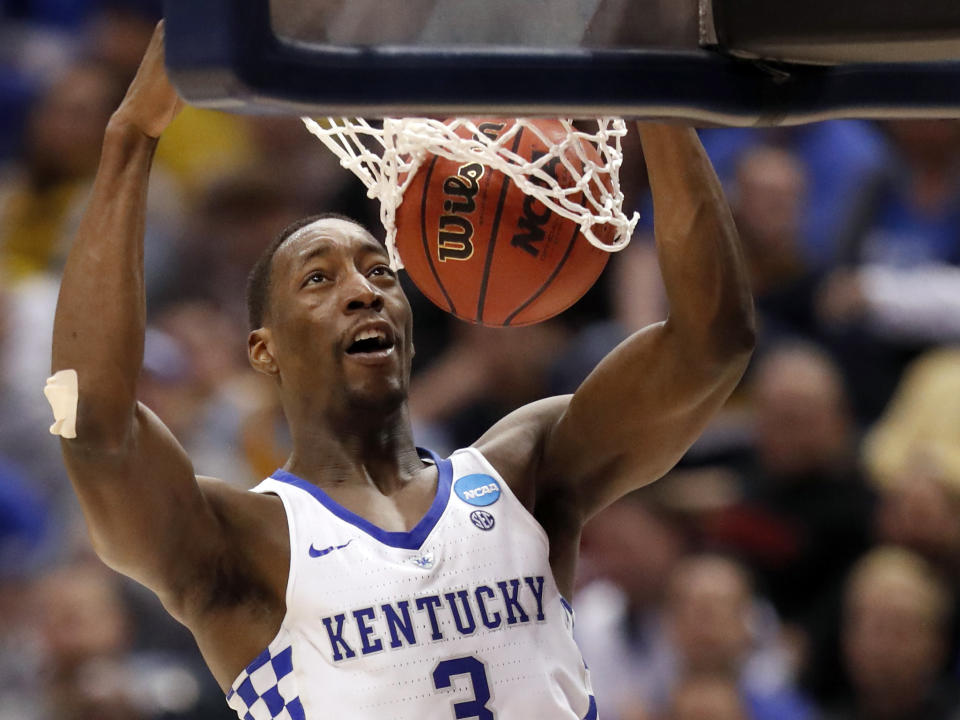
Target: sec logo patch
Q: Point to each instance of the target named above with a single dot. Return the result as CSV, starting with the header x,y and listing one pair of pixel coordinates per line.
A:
x,y
478,489
482,519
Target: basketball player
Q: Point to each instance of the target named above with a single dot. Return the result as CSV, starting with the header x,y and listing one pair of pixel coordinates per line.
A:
x,y
367,579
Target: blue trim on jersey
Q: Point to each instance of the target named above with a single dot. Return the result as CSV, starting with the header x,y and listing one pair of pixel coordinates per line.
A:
x,y
592,710
405,540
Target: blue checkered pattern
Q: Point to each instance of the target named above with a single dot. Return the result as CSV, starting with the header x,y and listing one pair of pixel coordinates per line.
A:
x,y
267,689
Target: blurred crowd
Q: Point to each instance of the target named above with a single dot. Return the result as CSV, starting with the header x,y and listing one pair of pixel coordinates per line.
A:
x,y
801,563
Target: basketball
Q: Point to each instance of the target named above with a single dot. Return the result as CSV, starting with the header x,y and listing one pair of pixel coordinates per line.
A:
x,y
480,248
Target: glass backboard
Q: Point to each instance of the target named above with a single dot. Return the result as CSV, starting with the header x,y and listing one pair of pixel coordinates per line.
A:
x,y
458,24
727,62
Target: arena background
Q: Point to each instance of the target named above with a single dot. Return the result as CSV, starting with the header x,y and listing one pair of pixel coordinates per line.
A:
x,y
803,561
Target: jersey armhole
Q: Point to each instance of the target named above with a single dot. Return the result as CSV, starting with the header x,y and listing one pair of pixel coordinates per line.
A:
x,y
292,534
264,488
507,490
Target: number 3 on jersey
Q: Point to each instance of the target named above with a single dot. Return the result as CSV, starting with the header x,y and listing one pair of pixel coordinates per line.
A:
x,y
443,676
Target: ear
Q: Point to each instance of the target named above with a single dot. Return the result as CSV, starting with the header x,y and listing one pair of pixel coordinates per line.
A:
x,y
260,352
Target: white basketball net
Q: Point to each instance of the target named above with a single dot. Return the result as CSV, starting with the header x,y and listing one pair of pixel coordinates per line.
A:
x,y
386,158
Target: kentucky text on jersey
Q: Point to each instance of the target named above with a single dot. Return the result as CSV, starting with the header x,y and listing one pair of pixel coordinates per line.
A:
x,y
496,606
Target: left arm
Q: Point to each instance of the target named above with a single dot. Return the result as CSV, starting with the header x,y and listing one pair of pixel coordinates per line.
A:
x,y
641,408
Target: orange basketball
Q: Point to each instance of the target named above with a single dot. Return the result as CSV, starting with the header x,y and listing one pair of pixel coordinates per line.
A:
x,y
483,250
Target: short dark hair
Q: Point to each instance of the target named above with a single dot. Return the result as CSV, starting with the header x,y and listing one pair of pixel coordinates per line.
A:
x,y
258,282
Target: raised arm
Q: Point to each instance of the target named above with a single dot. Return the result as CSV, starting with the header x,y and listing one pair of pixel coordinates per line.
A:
x,y
641,408
648,400
137,488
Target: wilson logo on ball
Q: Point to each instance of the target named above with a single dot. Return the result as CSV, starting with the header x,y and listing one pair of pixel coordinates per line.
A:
x,y
455,234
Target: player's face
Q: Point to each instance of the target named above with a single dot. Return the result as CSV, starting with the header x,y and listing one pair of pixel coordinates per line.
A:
x,y
339,317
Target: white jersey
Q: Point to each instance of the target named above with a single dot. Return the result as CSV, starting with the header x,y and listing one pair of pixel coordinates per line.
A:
x,y
458,618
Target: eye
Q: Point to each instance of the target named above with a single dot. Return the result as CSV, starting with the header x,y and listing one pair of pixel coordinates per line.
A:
x,y
382,271
315,277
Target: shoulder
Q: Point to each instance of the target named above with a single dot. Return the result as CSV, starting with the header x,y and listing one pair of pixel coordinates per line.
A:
x,y
517,448
240,509
514,445
252,561
237,602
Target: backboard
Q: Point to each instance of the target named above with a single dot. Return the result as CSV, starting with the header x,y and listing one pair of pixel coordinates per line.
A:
x,y
727,62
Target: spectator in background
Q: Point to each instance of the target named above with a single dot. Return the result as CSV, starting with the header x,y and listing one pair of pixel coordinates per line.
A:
x,y
805,513
116,32
839,157
84,633
483,374
707,698
900,288
47,12
17,91
717,630
628,552
39,39
20,696
911,214
87,665
42,191
40,195
913,456
33,484
25,536
24,521
896,616
310,171
767,200
651,621
224,236
197,381
201,145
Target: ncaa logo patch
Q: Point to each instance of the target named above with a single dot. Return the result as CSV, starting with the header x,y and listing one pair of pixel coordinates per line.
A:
x,y
482,519
478,489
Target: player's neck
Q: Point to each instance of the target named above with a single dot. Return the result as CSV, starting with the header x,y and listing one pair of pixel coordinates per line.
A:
x,y
329,451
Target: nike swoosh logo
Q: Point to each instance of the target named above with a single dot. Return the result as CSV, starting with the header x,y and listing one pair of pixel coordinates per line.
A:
x,y
314,553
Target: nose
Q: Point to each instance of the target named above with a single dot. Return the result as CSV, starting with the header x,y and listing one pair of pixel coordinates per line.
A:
x,y
359,293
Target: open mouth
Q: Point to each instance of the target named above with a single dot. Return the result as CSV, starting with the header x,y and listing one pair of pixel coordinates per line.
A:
x,y
371,343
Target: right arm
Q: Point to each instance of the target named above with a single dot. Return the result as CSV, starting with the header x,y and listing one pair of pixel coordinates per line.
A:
x,y
144,508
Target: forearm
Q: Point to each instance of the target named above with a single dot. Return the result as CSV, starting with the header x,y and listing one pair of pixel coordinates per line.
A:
x,y
702,265
651,396
99,324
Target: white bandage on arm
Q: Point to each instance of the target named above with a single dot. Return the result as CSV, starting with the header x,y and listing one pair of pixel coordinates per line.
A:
x,y
63,395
